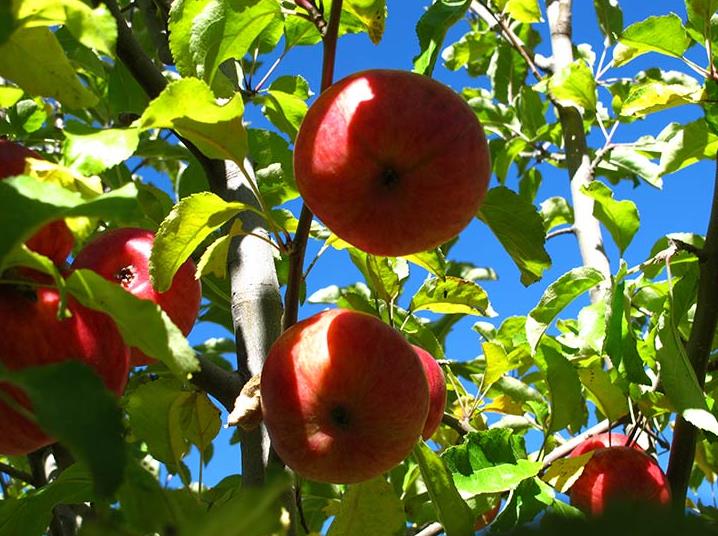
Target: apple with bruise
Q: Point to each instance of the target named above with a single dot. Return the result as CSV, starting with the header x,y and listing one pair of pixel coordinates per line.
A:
x,y
123,256
344,397
392,162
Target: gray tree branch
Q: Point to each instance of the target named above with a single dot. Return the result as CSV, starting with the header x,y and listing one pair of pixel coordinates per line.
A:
x,y
586,226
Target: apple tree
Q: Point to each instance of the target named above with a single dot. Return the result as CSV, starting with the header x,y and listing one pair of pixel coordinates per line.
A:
x,y
176,121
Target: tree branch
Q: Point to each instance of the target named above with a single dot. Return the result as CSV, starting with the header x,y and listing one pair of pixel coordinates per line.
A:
x,y
299,244
698,349
256,302
17,474
586,226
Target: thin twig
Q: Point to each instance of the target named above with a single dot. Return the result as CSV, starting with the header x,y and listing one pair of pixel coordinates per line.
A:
x,y
559,232
17,474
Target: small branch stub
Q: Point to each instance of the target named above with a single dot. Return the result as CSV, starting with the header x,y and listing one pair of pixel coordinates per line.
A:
x,y
247,412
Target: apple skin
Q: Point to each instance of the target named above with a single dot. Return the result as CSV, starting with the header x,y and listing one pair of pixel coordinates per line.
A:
x,y
123,256
437,391
54,239
606,439
486,518
31,335
392,162
619,474
344,397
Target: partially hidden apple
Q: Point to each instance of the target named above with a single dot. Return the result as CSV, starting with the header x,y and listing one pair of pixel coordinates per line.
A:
x,y
485,519
603,440
392,162
620,475
32,335
344,397
54,240
437,391
122,256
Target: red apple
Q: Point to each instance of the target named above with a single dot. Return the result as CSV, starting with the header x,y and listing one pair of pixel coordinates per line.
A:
x,y
606,439
486,518
619,474
53,240
392,162
437,391
123,256
31,335
344,397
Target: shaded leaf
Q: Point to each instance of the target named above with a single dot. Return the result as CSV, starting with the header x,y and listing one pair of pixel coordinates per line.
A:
x,y
519,228
620,217
369,507
432,28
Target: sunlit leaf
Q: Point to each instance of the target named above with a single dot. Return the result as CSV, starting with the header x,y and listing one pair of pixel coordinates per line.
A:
x,y
620,217
432,28
664,34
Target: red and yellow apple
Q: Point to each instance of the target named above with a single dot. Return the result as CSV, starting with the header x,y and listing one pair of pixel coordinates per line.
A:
x,y
123,256
32,335
392,162
437,391
619,474
344,397
54,240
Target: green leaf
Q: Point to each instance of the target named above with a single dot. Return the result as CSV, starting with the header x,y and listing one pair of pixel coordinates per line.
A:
x,y
432,29
610,18
564,472
432,260
620,217
273,167
49,74
201,420
574,85
567,405
93,27
371,13
152,410
85,418
709,102
556,211
191,220
635,162
700,16
528,499
453,513
31,515
181,21
497,364
189,107
558,295
219,31
489,462
26,204
369,507
91,151
687,145
248,511
677,375
285,103
650,95
384,275
526,11
519,228
142,323
452,295
214,258
664,34
9,96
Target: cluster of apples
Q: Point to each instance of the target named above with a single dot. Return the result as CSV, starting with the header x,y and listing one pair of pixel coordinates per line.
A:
x,y
393,163
31,333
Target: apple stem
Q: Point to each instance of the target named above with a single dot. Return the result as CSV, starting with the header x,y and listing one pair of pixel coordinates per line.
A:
x,y
698,349
299,244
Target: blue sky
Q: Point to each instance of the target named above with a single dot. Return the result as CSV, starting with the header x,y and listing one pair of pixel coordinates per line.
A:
x,y
682,206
